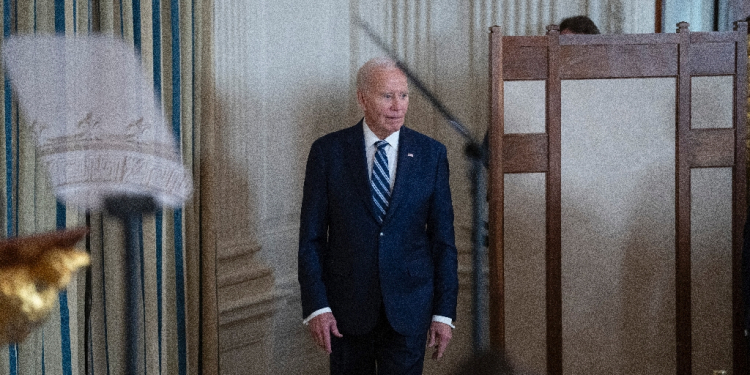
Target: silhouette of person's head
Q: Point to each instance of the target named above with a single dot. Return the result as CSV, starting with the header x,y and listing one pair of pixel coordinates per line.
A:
x,y
578,25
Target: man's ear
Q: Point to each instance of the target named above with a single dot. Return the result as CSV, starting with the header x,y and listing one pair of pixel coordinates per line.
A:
x,y
361,99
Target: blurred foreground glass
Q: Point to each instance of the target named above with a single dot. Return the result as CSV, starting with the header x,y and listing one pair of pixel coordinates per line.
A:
x,y
98,126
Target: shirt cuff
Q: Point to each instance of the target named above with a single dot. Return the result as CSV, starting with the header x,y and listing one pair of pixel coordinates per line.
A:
x,y
316,313
443,319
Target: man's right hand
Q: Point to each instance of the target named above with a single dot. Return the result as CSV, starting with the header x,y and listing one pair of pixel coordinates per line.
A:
x,y
321,327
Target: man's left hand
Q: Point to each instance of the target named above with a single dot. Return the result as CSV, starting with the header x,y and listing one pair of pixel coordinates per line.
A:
x,y
440,335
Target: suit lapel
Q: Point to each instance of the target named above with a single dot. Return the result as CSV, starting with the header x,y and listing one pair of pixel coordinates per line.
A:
x,y
356,165
407,158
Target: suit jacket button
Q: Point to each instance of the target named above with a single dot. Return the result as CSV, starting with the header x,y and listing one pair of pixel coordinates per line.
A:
x,y
381,234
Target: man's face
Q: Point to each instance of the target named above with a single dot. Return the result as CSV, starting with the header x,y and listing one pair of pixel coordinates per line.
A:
x,y
384,101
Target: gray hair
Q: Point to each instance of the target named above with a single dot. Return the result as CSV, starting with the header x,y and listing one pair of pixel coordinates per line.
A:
x,y
365,72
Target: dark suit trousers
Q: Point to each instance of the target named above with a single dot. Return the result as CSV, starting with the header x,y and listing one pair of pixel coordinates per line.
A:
x,y
382,351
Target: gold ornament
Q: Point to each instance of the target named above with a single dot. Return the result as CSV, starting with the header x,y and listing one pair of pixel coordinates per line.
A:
x,y
33,270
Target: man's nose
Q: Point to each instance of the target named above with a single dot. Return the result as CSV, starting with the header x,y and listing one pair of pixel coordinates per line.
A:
x,y
398,103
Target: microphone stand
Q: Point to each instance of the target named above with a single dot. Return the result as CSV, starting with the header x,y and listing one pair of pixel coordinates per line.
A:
x,y
130,209
480,336
476,153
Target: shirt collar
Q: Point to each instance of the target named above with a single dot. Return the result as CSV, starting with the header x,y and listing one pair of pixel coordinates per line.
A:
x,y
371,138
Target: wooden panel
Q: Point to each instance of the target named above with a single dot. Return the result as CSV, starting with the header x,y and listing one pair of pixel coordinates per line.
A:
x,y
711,259
712,58
554,207
496,191
712,37
525,153
525,278
618,61
554,57
525,104
524,57
683,323
710,148
622,39
739,175
618,220
712,102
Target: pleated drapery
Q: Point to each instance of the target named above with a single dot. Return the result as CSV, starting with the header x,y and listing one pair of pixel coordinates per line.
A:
x,y
163,32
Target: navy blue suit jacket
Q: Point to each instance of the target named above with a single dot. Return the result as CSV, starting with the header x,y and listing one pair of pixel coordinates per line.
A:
x,y
350,263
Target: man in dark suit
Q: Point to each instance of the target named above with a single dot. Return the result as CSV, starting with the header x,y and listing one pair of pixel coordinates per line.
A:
x,y
377,259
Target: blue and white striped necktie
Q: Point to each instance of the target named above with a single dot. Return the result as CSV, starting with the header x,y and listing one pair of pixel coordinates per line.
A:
x,y
380,181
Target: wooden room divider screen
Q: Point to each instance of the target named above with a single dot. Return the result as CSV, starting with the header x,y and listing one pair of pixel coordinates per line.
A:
x,y
640,210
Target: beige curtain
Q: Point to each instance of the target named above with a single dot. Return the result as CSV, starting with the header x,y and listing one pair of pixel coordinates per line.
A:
x,y
78,339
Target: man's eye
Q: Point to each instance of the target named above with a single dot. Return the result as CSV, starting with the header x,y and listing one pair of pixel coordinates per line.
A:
x,y
387,96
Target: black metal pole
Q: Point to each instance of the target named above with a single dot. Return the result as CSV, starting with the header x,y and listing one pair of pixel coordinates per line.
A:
x,y
130,209
89,365
479,191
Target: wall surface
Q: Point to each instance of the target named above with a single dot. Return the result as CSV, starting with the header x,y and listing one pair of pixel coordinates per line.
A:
x,y
283,74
